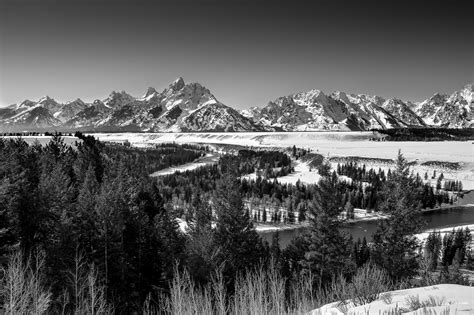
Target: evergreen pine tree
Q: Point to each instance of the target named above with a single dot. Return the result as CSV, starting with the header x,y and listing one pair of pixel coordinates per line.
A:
x,y
275,250
394,244
291,214
433,249
329,249
241,246
301,213
84,222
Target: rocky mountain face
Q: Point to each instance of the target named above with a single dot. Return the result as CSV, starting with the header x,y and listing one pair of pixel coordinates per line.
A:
x,y
448,110
179,107
186,107
314,110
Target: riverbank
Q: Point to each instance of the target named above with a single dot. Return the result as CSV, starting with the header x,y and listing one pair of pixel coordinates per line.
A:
x,y
360,216
424,235
445,218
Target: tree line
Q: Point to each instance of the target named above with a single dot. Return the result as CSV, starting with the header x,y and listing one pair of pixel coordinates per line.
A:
x,y
427,134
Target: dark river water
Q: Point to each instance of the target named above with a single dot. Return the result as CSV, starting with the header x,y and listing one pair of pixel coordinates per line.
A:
x,y
434,219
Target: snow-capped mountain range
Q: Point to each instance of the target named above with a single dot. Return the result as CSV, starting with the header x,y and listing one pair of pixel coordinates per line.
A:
x,y
190,107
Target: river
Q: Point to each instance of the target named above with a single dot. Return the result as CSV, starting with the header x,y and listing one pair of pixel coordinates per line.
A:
x,y
434,220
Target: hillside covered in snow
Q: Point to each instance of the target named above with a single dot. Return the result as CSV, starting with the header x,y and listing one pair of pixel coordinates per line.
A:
x,y
437,299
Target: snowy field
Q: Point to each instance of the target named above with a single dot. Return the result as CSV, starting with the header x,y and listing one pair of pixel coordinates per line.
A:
x,y
330,144
210,158
449,299
302,172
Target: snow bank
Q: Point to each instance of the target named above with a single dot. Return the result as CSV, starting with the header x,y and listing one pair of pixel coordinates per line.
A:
x,y
452,299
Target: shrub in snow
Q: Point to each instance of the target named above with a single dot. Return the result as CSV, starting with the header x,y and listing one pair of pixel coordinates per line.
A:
x,y
368,283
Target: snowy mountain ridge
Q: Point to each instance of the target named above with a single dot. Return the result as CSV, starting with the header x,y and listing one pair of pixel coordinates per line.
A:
x,y
183,107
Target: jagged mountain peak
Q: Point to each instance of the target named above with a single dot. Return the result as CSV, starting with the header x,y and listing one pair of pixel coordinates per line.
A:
x,y
49,104
468,93
26,104
310,95
177,85
394,100
69,110
340,93
76,101
437,99
150,92
47,101
342,96
118,99
44,99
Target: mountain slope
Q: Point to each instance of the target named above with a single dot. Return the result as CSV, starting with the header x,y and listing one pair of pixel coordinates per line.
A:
x,y
217,117
69,110
34,117
313,110
448,110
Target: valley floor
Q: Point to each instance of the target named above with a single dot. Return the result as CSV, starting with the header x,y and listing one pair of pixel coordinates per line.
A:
x,y
330,144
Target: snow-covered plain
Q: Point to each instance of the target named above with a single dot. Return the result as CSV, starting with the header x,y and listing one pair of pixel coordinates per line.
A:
x,y
210,158
302,172
330,144
452,299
